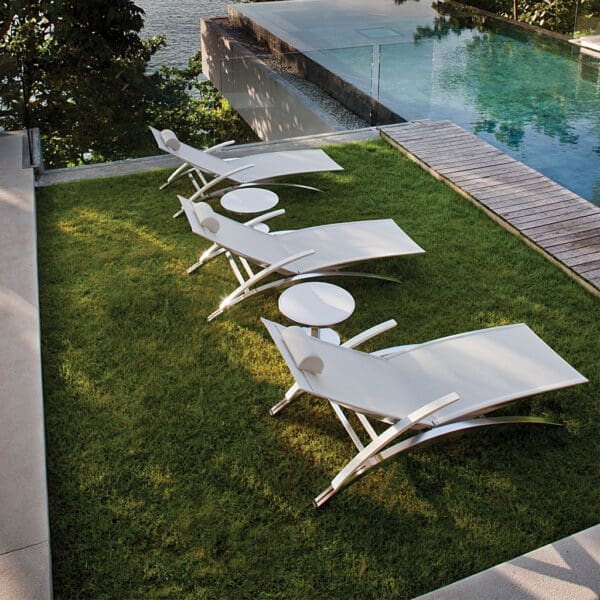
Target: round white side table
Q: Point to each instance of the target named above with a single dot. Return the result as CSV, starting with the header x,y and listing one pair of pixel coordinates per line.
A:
x,y
249,200
318,305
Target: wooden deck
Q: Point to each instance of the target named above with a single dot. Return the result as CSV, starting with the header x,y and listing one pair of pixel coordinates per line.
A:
x,y
552,219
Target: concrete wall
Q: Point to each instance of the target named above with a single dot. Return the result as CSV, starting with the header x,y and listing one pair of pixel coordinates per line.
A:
x,y
270,105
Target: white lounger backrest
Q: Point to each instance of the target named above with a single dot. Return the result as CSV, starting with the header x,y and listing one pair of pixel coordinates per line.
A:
x,y
487,368
166,140
256,246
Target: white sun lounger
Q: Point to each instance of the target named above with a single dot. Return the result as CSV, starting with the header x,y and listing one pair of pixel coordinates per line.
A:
x,y
442,386
243,171
300,254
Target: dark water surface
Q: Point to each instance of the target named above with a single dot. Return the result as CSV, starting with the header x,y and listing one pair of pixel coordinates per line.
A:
x,y
179,20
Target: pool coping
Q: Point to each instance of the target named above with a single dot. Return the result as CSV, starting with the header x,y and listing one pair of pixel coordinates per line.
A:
x,y
567,569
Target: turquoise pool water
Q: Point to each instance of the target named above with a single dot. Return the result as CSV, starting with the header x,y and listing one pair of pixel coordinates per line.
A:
x,y
535,98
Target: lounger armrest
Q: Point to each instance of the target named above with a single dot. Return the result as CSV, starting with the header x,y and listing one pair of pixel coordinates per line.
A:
x,y
265,217
367,334
391,433
264,273
201,192
218,147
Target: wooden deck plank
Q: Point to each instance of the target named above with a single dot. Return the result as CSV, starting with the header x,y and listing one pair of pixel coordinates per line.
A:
x,y
585,241
593,265
500,179
535,187
581,224
593,276
537,191
414,131
532,212
544,205
506,174
561,224
535,209
594,257
548,240
473,167
549,217
452,159
450,140
502,192
574,253
448,136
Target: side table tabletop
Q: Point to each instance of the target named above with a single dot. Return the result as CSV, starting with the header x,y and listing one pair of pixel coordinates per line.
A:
x,y
249,200
318,305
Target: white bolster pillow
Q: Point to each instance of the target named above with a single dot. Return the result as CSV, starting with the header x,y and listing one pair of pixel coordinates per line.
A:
x,y
170,139
299,345
207,216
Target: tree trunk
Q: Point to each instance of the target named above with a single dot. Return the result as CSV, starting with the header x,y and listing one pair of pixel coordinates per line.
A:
x,y
516,10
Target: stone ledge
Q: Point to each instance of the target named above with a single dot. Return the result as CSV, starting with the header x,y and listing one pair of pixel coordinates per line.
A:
x,y
24,526
567,569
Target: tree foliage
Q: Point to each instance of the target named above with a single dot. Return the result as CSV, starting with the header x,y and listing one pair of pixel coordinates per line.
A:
x,y
78,70
563,16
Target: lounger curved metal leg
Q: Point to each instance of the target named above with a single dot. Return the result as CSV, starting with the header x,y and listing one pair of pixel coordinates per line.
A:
x,y
234,299
224,190
299,186
360,274
181,171
212,252
421,440
372,454
289,396
237,296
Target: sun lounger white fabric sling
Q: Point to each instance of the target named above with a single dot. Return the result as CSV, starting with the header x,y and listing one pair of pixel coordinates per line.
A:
x,y
243,171
300,254
442,386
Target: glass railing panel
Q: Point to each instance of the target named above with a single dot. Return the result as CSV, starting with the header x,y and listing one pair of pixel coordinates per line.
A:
x,y
405,78
286,96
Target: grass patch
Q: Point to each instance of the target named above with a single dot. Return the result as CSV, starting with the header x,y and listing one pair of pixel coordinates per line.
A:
x,y
167,477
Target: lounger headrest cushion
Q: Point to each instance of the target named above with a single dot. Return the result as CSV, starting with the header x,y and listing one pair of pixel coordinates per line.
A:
x,y
207,217
170,139
299,346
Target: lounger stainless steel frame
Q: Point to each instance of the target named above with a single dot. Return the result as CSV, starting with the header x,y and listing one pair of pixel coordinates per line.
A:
x,y
300,254
253,170
440,388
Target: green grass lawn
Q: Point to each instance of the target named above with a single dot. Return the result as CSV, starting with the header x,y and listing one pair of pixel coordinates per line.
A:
x,y
169,479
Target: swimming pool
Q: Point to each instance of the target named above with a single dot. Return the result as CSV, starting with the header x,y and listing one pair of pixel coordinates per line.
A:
x,y
534,97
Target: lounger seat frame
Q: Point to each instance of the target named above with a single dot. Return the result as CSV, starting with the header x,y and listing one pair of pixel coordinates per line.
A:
x,y
206,170
242,244
428,420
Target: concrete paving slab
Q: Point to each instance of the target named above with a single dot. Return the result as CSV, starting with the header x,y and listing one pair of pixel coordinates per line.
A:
x,y
568,569
25,574
23,492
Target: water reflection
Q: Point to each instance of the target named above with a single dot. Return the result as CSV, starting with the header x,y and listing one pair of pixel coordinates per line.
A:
x,y
532,96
